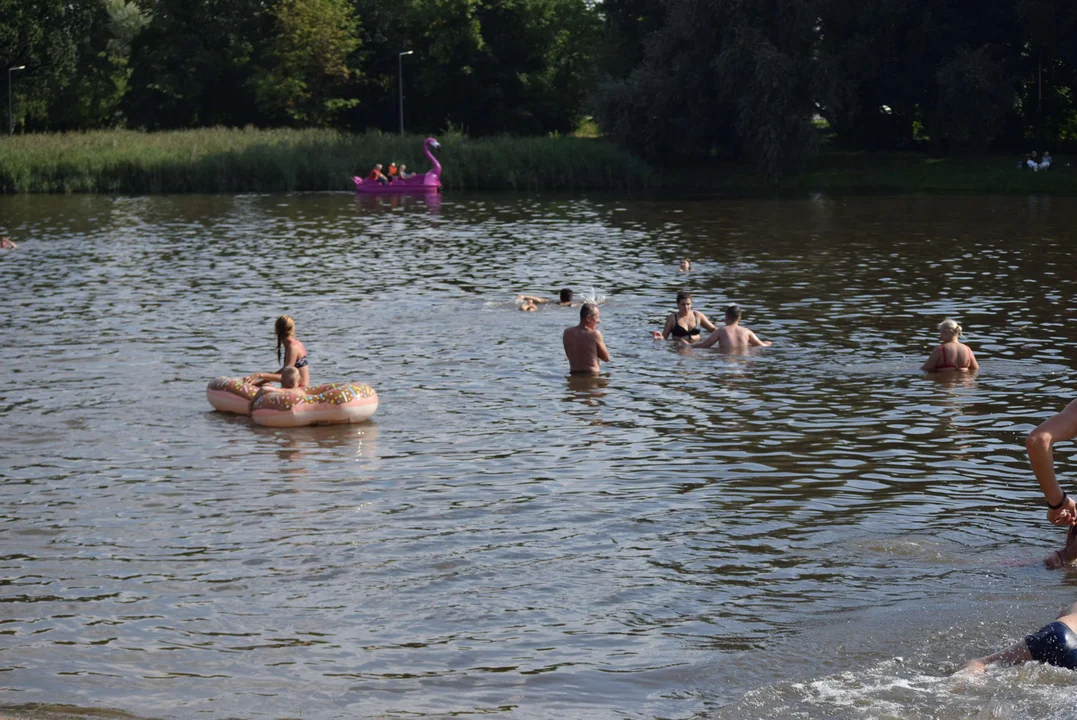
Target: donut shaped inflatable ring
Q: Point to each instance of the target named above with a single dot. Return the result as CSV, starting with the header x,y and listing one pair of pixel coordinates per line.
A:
x,y
229,394
331,404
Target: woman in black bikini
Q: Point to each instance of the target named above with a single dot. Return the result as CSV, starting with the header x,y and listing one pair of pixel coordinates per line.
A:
x,y
295,355
952,354
686,324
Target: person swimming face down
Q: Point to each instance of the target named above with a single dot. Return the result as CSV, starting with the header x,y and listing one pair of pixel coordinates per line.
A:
x,y
565,296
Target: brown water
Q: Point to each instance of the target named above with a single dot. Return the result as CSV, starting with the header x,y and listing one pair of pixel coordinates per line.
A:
x,y
812,531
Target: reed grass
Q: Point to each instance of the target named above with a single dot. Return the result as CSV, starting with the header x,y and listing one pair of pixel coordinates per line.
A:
x,y
224,160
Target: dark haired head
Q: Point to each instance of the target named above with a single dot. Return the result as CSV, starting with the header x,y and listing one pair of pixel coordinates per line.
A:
x,y
566,295
733,312
683,295
588,310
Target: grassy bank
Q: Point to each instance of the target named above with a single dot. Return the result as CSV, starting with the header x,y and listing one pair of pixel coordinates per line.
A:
x,y
232,160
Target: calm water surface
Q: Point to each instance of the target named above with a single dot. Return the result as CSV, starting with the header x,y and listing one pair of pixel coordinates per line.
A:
x,y
812,531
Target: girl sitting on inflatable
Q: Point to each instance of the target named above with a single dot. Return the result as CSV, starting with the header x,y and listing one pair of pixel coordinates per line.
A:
x,y
295,355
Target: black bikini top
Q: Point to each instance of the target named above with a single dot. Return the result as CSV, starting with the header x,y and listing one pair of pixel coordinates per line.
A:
x,y
679,331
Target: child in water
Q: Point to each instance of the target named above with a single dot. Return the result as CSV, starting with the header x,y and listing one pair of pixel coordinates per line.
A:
x,y
952,354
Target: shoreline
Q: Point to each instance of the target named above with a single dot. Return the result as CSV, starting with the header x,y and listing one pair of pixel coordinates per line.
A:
x,y
232,161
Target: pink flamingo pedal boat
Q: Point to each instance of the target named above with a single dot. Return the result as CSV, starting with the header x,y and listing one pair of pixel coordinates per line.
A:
x,y
427,182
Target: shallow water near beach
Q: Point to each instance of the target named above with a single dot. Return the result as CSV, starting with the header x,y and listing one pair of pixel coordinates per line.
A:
x,y
814,530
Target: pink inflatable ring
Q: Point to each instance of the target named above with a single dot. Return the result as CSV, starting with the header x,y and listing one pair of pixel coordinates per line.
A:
x,y
330,404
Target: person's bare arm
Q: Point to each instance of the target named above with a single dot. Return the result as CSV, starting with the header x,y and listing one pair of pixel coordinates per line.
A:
x,y
664,335
973,365
600,348
1013,655
932,361
705,322
711,339
259,378
754,341
1062,426
533,298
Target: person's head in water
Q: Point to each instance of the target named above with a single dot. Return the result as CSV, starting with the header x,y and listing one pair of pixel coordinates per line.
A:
x,y
686,265
566,296
289,378
589,312
733,314
949,330
285,328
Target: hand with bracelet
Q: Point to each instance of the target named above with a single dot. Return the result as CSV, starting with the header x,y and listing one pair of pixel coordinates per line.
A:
x,y
1062,509
1064,512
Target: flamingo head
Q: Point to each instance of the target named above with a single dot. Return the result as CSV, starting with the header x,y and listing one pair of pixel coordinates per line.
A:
x,y
433,144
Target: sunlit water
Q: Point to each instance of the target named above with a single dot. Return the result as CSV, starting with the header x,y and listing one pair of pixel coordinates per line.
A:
x,y
812,531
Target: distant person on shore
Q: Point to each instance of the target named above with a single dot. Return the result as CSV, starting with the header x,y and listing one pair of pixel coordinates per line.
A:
x,y
376,175
564,299
1061,508
1045,161
733,336
7,244
1054,644
952,354
583,343
686,265
295,355
1033,161
686,324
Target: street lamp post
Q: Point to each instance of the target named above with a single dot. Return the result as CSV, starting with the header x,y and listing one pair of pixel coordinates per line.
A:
x,y
10,113
400,84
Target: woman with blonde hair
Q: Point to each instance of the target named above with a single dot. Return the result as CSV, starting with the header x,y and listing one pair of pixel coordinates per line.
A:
x,y
952,354
295,355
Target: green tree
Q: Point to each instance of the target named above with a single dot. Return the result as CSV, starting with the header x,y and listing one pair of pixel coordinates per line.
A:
x,y
192,64
310,62
733,76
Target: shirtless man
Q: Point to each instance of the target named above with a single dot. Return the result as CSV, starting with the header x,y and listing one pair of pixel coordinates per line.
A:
x,y
583,343
732,336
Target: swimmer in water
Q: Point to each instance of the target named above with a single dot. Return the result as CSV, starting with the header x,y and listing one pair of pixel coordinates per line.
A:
x,y
1054,644
295,355
564,300
733,336
952,354
583,343
7,244
686,265
686,324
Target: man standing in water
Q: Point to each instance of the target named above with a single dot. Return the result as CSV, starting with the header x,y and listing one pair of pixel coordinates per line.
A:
x,y
583,343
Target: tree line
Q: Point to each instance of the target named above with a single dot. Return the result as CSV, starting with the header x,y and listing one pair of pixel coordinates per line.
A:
x,y
753,79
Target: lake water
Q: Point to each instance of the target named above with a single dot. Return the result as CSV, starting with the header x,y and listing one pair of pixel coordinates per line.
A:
x,y
814,530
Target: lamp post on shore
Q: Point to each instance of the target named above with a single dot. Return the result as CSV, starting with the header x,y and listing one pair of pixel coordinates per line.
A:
x,y
400,84
10,113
